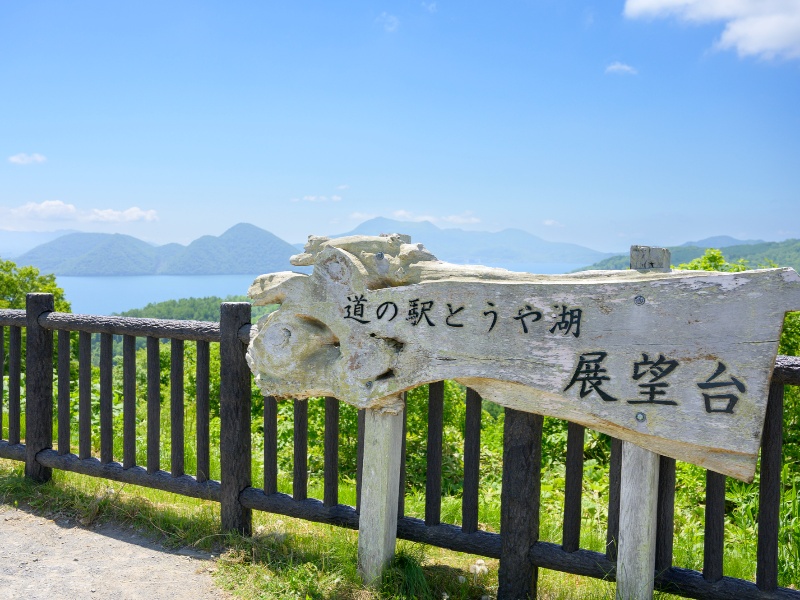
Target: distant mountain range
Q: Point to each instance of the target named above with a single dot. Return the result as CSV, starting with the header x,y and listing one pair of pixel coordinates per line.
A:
x,y
784,254
242,249
512,249
247,249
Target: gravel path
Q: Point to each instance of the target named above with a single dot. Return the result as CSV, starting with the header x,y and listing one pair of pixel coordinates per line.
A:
x,y
45,559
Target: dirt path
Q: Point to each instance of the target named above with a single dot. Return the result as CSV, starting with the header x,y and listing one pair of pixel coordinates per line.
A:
x,y
45,559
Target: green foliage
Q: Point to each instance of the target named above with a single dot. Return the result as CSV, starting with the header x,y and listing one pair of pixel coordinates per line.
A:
x,y
16,281
784,254
713,260
193,309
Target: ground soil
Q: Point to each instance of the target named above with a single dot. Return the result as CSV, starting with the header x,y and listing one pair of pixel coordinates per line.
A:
x,y
59,559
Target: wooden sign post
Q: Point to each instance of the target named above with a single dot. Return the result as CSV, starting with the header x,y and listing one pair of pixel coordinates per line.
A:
x,y
677,363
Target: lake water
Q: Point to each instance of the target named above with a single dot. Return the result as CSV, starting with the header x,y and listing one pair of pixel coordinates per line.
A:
x,y
106,295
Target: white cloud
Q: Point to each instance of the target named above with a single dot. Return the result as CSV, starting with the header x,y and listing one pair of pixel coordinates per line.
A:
x,y
49,210
27,159
360,216
390,22
621,69
314,198
552,223
109,215
56,210
429,6
466,218
343,187
763,28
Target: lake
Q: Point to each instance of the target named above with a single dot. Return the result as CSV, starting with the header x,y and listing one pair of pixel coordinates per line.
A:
x,y
107,295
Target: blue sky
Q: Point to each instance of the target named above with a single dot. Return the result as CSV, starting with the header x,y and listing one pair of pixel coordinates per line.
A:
x,y
604,124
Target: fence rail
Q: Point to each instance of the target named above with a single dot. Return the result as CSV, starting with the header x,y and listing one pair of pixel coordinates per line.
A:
x,y
518,546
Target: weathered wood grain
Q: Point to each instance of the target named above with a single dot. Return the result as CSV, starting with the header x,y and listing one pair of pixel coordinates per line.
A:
x,y
472,461
769,493
671,345
433,472
202,374
176,407
714,539
300,462
331,452
84,394
637,523
234,413
64,399
185,485
38,387
519,504
153,406
106,399
162,328
270,445
377,529
573,488
129,401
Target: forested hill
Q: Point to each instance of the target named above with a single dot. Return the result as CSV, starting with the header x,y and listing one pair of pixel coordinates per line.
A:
x,y
784,254
192,309
242,249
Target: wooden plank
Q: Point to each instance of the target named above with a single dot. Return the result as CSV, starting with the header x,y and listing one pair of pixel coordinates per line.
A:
x,y
270,445
331,458
84,394
176,407
2,374
38,387
64,399
520,504
128,401
234,390
769,492
14,383
158,328
571,538
106,399
300,465
637,523
714,541
184,485
401,493
202,378
665,528
594,348
614,481
153,405
377,529
472,461
359,458
433,479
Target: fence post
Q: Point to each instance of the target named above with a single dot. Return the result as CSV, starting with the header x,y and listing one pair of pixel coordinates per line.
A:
x,y
234,414
636,557
377,526
38,386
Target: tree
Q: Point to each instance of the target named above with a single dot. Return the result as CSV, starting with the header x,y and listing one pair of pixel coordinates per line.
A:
x,y
16,281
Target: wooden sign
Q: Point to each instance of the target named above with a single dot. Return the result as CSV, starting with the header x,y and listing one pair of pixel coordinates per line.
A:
x,y
676,362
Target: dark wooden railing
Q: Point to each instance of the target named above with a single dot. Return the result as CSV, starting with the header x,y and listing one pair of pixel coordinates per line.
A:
x,y
518,547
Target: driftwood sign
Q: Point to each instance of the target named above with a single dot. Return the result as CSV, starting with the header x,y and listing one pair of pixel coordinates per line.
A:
x,y
675,362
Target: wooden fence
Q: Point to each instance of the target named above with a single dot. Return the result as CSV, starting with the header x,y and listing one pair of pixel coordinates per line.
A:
x,y
517,545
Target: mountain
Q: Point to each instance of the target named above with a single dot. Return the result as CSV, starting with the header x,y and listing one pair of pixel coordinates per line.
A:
x,y
722,241
784,254
510,248
14,243
242,249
